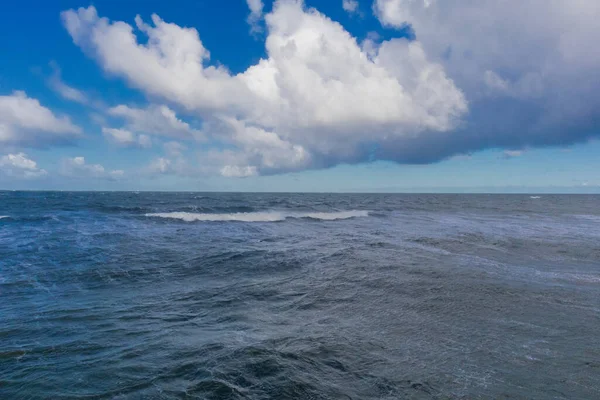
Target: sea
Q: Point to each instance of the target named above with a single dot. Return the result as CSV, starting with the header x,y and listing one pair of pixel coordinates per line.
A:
x,y
140,295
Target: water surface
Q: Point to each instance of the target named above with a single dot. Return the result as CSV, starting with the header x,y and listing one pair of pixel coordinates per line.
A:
x,y
338,296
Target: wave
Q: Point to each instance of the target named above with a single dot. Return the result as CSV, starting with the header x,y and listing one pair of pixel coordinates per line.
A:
x,y
572,277
595,218
535,197
30,218
264,216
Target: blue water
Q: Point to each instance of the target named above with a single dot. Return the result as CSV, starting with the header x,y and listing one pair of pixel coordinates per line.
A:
x,y
299,296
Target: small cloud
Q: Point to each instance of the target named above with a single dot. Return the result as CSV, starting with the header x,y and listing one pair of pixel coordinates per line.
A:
x,y
25,122
125,138
177,165
494,82
144,141
118,173
65,91
160,166
528,86
234,171
370,45
512,153
77,167
157,120
98,118
174,149
467,156
350,6
256,13
19,165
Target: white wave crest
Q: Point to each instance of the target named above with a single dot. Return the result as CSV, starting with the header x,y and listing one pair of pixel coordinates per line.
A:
x,y
264,216
535,197
4,216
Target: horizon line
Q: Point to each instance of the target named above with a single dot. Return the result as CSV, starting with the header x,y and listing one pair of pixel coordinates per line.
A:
x,y
306,192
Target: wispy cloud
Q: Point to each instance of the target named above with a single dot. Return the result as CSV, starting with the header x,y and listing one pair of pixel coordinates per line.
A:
x,y
77,167
125,138
59,86
512,153
350,6
157,120
256,13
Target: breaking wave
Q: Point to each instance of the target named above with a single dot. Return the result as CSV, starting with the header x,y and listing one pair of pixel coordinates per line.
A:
x,y
4,216
264,216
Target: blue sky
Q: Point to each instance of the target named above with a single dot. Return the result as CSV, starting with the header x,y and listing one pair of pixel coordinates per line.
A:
x,y
376,96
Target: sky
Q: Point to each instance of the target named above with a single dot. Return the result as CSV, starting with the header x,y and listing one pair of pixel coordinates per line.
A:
x,y
291,95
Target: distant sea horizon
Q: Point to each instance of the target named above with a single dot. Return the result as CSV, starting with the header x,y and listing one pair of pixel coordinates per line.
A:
x,y
591,190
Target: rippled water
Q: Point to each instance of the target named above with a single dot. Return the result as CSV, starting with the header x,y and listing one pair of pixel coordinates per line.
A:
x,y
256,296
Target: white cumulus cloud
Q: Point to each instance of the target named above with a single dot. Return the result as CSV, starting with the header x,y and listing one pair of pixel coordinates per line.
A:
x,y
125,138
157,120
160,166
397,13
19,165
25,122
171,166
317,99
77,167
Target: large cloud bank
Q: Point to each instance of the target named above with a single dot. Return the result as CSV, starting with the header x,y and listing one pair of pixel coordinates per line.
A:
x,y
480,74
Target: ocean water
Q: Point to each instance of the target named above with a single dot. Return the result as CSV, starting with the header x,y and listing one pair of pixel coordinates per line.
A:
x,y
299,296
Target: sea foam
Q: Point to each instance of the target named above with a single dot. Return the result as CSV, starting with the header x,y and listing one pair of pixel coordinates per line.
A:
x,y
262,216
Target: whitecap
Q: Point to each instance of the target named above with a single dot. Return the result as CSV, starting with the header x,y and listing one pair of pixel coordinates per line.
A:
x,y
262,216
4,216
535,197
571,277
331,216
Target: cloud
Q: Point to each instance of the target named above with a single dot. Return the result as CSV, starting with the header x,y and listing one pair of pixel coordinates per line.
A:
x,y
174,148
397,13
479,75
316,100
530,71
77,167
25,122
177,165
256,12
157,120
234,171
160,166
350,6
512,153
125,138
67,92
20,166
